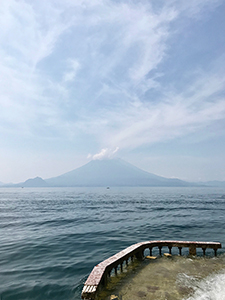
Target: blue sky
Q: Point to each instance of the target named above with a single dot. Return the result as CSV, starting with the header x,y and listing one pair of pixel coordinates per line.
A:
x,y
139,80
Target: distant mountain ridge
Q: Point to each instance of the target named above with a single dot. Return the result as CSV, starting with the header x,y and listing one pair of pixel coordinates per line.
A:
x,y
111,172
35,182
213,183
32,182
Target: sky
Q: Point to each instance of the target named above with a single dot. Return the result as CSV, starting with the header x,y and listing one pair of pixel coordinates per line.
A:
x,y
140,80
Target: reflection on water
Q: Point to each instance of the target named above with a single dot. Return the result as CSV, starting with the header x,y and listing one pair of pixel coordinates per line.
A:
x,y
173,278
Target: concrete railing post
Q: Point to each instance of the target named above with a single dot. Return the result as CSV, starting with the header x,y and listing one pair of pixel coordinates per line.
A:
x,y
192,250
160,250
180,250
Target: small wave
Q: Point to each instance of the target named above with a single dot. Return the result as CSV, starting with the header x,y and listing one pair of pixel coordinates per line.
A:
x,y
210,288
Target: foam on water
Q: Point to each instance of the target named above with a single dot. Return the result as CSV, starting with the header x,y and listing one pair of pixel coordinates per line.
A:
x,y
210,288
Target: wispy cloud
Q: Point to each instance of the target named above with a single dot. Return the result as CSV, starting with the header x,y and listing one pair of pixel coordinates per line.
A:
x,y
177,115
112,46
27,37
194,8
76,69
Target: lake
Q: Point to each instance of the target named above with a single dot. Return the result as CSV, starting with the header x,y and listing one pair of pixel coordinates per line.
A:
x,y
51,238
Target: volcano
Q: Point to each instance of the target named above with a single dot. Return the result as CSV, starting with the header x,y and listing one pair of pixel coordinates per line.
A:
x,y
111,172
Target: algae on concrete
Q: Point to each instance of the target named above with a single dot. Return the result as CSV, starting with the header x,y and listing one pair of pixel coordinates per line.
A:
x,y
171,278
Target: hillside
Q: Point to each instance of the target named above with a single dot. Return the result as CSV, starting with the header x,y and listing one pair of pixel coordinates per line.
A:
x,y
33,182
111,172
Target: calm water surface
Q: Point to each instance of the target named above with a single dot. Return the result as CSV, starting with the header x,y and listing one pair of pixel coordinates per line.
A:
x,y
52,237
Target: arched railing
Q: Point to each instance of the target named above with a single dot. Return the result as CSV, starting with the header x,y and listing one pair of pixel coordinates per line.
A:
x,y
100,272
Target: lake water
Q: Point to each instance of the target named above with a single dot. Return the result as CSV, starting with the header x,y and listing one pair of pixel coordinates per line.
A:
x,y
51,238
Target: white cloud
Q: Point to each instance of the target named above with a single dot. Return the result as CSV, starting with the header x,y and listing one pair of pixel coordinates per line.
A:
x,y
74,67
177,118
27,36
195,8
104,153
200,105
70,68
31,33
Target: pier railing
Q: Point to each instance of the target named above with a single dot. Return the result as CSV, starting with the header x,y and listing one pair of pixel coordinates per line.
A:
x,y
101,272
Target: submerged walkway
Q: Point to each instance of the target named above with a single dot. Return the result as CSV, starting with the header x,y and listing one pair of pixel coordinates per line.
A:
x,y
100,272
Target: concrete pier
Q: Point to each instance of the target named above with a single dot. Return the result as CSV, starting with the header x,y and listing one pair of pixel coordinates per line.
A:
x,y
99,275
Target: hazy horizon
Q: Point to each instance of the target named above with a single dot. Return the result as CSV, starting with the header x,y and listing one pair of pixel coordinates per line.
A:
x,y
116,175
140,80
